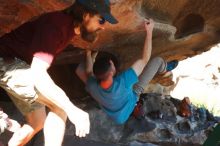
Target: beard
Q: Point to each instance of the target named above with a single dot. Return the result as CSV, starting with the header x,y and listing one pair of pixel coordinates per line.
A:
x,y
88,36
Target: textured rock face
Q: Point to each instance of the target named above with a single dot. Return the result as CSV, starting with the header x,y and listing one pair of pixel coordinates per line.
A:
x,y
183,28
16,12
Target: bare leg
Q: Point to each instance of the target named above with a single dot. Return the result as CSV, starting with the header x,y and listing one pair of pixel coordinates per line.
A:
x,y
54,126
35,121
154,66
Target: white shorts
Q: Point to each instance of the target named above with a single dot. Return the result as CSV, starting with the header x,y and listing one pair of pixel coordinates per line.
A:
x,y
16,79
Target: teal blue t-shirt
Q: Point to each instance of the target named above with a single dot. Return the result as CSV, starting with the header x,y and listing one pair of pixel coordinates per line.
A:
x,y
119,100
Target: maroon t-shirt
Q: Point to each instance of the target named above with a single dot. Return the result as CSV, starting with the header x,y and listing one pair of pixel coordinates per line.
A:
x,y
43,38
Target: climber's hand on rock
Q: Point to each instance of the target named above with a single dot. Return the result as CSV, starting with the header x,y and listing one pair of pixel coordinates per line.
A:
x,y
149,25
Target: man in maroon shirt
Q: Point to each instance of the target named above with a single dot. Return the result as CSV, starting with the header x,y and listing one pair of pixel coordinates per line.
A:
x,y
25,55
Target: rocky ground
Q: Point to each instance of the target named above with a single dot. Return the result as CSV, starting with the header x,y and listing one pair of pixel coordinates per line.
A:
x,y
163,129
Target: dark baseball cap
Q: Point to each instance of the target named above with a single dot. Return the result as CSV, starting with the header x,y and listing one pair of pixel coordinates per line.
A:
x,y
102,7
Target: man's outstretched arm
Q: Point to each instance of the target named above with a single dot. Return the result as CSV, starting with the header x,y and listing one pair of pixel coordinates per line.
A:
x,y
139,65
54,97
85,69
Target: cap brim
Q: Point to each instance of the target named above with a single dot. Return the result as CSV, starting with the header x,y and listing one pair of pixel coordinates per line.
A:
x,y
111,19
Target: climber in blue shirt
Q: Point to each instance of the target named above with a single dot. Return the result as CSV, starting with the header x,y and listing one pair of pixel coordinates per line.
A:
x,y
117,94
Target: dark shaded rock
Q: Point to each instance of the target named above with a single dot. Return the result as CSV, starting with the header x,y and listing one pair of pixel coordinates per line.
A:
x,y
146,130
164,134
196,25
154,103
155,115
135,143
143,132
183,127
70,141
140,126
3,95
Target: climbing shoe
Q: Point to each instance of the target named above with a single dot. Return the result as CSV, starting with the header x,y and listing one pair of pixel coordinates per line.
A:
x,y
138,112
171,65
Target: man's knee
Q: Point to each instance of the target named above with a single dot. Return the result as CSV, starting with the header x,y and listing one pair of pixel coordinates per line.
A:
x,y
59,112
39,126
158,62
36,119
157,59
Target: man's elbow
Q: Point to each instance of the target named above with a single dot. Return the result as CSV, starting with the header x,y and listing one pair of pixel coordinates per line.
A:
x,y
82,75
145,59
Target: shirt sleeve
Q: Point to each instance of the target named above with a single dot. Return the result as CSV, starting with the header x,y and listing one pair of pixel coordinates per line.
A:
x,y
46,41
130,77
